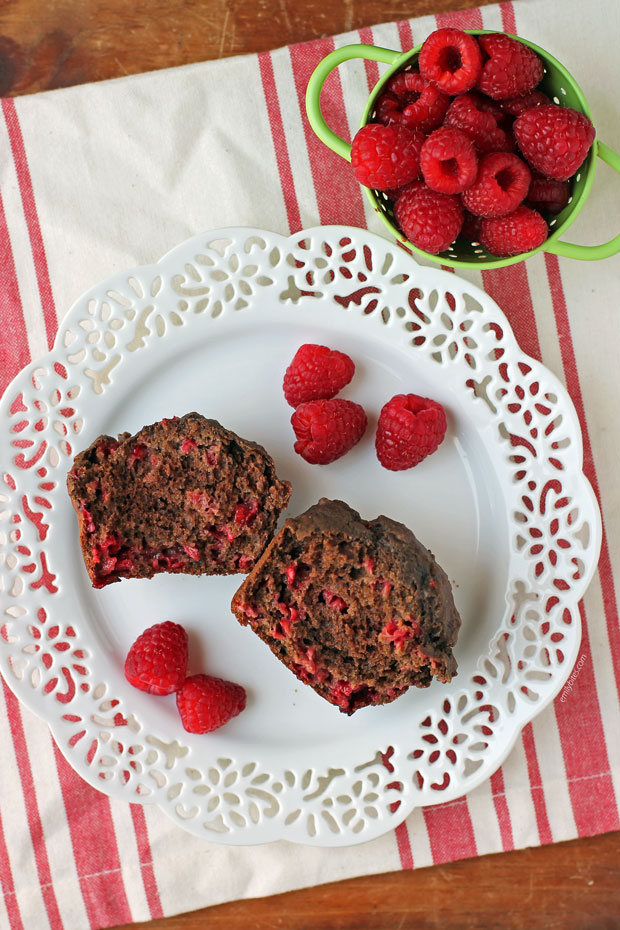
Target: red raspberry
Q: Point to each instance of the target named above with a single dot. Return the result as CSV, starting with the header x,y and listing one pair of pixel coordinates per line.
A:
x,y
448,161
451,59
386,156
494,107
547,195
245,512
327,429
467,114
409,428
471,228
430,220
510,68
316,372
518,105
206,703
502,184
389,109
157,661
517,232
412,101
555,140
395,193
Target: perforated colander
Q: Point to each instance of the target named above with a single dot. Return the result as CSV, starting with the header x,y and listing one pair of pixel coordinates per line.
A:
x,y
559,86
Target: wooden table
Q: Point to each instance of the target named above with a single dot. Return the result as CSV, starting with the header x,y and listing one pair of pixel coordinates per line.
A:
x,y
571,886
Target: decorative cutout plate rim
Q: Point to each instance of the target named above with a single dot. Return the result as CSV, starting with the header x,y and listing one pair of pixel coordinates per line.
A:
x,y
532,433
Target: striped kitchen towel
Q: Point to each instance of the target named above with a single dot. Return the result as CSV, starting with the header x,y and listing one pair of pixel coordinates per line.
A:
x,y
104,177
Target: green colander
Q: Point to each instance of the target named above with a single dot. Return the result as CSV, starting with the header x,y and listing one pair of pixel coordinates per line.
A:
x,y
557,83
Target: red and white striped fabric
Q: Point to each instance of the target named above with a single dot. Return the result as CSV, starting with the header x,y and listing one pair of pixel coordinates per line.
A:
x,y
103,177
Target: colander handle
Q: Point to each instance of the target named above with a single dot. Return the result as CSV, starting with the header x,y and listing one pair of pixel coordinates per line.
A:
x,y
319,75
591,252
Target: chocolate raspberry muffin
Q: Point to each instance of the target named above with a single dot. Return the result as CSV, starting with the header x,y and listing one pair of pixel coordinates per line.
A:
x,y
357,609
182,495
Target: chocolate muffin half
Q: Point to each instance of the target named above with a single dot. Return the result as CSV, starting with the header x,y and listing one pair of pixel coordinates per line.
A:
x,y
182,495
357,609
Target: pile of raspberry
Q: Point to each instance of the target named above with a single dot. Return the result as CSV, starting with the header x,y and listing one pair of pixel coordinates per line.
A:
x,y
157,663
467,146
409,428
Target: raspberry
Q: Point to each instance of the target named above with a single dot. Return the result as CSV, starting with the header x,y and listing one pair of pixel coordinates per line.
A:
x,y
137,453
334,601
386,156
412,101
502,184
518,105
547,195
555,140
396,192
206,703
471,228
157,661
517,232
430,220
191,551
494,107
409,428
451,60
448,161
245,513
389,109
315,373
509,69
467,114
327,429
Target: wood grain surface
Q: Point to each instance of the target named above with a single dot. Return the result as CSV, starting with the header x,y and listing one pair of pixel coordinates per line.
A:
x,y
569,886
46,44
57,43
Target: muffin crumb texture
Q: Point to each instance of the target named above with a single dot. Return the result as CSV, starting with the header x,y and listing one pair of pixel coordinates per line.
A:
x,y
357,609
184,495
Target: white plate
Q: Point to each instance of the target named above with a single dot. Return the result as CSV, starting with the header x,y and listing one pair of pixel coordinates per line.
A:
x,y
503,504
